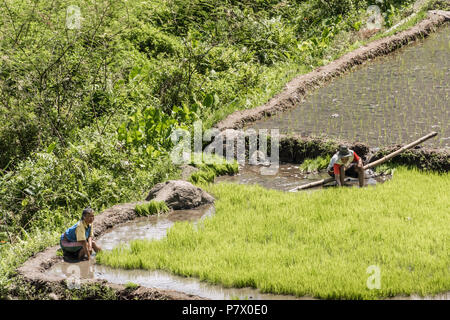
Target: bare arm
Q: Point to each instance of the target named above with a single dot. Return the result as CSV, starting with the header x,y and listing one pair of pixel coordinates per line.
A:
x,y
338,179
90,244
86,249
360,163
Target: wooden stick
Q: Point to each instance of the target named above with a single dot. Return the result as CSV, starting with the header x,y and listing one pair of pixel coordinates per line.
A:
x,y
372,164
393,154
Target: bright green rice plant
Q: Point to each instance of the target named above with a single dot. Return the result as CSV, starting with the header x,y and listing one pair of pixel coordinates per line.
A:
x,y
131,285
211,166
312,243
152,207
202,176
319,163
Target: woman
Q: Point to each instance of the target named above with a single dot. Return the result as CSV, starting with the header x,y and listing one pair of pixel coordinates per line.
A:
x,y
77,240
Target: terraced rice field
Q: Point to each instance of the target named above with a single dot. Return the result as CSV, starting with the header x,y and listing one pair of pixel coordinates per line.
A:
x,y
394,99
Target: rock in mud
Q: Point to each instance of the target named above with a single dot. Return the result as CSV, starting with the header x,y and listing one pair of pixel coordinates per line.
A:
x,y
179,194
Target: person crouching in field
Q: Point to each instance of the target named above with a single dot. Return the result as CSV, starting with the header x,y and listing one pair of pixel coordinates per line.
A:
x,y
77,241
346,162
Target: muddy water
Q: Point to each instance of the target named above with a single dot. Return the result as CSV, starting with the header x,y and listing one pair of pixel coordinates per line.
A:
x,y
287,177
155,228
394,99
151,228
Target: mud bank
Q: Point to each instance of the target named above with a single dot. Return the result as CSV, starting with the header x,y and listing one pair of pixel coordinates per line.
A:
x,y
296,90
294,149
33,273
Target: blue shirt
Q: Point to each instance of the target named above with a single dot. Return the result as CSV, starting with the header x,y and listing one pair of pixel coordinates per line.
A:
x,y
80,231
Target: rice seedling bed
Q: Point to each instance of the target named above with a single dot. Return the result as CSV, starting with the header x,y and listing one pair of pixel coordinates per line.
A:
x,y
312,243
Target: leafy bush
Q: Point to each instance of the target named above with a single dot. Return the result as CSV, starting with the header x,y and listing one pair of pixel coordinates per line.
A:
x,y
51,188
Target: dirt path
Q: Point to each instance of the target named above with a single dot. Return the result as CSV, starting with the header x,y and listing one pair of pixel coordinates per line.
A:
x,y
296,89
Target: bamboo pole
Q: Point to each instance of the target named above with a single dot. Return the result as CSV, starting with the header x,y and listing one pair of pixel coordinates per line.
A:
x,y
372,164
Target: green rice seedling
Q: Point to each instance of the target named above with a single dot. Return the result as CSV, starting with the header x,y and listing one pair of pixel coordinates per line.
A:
x,y
202,176
131,286
211,166
217,164
152,207
385,168
59,253
317,243
316,164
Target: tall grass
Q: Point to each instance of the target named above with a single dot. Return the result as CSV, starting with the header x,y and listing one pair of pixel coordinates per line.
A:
x,y
318,243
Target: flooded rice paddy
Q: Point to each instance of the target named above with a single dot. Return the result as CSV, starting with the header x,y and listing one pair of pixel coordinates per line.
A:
x,y
394,99
288,177
155,227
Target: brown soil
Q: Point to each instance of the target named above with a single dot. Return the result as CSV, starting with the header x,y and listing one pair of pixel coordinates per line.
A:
x,y
33,271
296,89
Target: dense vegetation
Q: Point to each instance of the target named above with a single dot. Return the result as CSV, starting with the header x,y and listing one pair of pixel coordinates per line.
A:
x,y
311,244
86,112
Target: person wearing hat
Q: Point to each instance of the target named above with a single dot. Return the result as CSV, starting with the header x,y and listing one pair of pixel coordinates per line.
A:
x,y
77,240
346,162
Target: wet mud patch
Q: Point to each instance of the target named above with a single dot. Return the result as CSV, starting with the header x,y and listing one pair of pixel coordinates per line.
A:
x,y
288,177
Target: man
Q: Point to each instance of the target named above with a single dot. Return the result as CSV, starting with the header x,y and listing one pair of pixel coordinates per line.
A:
x,y
343,163
77,240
